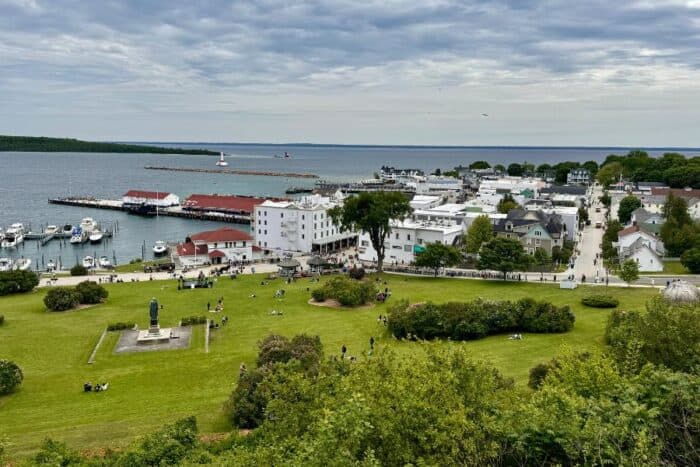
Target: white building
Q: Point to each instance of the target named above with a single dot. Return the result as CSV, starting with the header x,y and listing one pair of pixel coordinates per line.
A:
x,y
632,238
647,259
408,238
569,217
150,198
303,226
425,201
435,184
578,177
220,246
522,189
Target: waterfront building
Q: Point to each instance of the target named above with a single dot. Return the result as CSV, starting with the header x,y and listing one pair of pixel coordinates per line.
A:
x,y
138,198
394,174
425,201
578,177
225,204
220,246
303,226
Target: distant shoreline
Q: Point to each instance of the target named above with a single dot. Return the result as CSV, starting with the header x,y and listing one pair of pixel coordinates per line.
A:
x,y
45,144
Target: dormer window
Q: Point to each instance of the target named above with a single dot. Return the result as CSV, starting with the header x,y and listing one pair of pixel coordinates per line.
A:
x,y
509,226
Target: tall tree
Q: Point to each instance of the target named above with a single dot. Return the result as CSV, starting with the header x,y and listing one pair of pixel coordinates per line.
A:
x,y
609,174
480,232
372,213
479,165
499,168
515,170
542,259
506,204
438,255
677,208
504,255
592,167
629,271
628,204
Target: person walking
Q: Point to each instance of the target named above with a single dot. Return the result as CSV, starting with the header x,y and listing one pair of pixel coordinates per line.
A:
x,y
343,350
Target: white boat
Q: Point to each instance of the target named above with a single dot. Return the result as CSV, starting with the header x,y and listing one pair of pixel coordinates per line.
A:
x,y
96,236
50,229
286,156
2,234
88,224
5,264
104,262
51,266
221,162
89,262
160,247
67,230
14,236
22,264
78,235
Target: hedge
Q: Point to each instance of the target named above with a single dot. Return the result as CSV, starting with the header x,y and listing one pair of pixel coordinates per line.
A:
x,y
91,292
78,270
17,281
61,298
477,319
120,326
347,291
600,301
192,320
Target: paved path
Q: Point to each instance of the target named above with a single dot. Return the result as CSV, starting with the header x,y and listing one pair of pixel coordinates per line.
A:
x,y
590,240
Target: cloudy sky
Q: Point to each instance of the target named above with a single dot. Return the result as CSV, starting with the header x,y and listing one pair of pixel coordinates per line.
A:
x,y
354,71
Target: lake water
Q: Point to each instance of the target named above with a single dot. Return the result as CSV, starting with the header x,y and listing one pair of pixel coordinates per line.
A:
x,y
30,179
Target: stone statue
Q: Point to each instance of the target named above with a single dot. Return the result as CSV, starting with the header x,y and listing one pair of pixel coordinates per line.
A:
x,y
153,311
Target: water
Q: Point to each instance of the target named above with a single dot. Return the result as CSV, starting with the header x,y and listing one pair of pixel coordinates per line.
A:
x,y
29,179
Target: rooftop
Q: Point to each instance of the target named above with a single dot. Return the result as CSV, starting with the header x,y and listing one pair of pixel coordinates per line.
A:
x,y
147,194
224,234
241,204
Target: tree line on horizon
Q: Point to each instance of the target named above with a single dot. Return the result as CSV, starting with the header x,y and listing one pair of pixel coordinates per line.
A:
x,y
46,144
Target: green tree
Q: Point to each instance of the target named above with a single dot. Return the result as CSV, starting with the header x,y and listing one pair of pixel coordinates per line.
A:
x,y
678,238
582,215
676,208
609,174
438,255
10,376
506,204
691,260
542,259
515,170
504,255
372,213
479,165
629,271
479,232
606,199
544,168
628,204
592,167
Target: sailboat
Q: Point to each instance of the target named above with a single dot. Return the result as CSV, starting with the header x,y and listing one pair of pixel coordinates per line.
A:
x,y
221,162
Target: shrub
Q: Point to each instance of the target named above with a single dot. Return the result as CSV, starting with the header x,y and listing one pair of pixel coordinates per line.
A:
x,y
356,273
56,453
192,320
348,292
10,376
135,260
537,375
272,349
2,320
600,301
120,326
91,292
78,270
17,282
61,298
477,319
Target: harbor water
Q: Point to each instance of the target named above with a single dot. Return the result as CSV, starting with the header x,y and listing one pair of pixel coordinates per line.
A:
x,y
30,179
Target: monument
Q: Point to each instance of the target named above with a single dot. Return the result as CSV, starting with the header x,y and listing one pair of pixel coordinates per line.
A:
x,y
154,334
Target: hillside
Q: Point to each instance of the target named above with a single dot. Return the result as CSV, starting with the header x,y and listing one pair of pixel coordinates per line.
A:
x,y
44,144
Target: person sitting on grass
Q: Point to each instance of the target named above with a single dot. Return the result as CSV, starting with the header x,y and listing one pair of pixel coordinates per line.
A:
x,y
87,387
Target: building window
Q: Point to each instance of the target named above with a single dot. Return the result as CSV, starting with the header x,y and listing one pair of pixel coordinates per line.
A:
x,y
302,217
265,213
259,231
408,237
243,243
265,243
364,243
407,248
396,236
302,236
265,232
281,214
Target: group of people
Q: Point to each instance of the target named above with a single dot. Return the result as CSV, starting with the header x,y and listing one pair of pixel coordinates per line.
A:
x,y
88,387
383,320
219,306
515,337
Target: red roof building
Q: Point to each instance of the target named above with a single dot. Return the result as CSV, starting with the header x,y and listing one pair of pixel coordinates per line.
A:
x,y
228,204
222,235
190,249
680,192
220,246
152,198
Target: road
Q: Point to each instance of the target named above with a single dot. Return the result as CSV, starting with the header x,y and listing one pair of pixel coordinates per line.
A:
x,y
587,262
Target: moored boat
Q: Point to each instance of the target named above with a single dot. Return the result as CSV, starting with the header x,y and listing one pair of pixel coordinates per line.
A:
x,y
51,265
22,264
96,236
160,248
14,236
88,224
5,264
67,230
104,262
50,229
89,262
78,235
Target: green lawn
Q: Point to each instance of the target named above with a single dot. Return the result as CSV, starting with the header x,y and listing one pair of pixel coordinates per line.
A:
x,y
149,389
670,267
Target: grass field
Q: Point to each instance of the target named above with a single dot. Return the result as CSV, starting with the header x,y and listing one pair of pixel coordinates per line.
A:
x,y
150,389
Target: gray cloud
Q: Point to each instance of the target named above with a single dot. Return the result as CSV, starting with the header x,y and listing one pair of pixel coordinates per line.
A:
x,y
260,65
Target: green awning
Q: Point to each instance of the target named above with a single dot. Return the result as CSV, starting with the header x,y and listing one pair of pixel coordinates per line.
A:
x,y
418,248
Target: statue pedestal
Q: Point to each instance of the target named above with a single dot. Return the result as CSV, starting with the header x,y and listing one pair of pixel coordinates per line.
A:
x,y
155,335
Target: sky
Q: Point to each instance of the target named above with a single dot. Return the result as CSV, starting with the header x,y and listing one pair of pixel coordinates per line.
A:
x,y
430,72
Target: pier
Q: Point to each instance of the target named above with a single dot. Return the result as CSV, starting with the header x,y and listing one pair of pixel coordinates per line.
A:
x,y
234,172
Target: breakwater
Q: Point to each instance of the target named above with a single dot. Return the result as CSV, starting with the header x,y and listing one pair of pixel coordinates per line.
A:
x,y
234,172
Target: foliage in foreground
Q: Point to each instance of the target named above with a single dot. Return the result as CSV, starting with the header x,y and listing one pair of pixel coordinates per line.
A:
x,y
347,291
600,301
17,282
477,319
10,376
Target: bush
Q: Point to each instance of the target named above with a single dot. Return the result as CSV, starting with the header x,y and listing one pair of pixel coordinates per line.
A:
x,y
2,320
61,298
17,282
56,453
10,376
91,292
477,319
348,292
600,301
120,326
135,260
356,273
78,270
192,320
537,375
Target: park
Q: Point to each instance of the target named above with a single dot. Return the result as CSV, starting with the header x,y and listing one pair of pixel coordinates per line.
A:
x,y
147,389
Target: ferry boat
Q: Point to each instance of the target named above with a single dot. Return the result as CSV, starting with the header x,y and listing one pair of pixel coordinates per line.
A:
x,y
22,264
14,236
96,236
160,248
5,264
88,224
78,235
104,262
89,262
221,162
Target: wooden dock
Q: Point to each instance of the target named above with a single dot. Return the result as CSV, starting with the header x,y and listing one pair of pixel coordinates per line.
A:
x,y
234,172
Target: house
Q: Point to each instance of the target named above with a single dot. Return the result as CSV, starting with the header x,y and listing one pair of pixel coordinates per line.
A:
x,y
646,187
634,238
303,226
648,221
137,198
647,259
220,246
392,173
534,229
409,237
578,177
